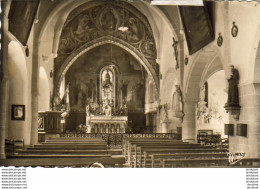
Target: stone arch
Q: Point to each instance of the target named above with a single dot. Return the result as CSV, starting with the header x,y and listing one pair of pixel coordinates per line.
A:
x,y
254,59
207,62
204,65
103,40
256,74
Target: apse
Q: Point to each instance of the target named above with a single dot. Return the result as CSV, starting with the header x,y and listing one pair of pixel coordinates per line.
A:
x,y
108,81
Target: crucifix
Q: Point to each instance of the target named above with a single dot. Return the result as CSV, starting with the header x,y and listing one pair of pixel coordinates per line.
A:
x,y
174,45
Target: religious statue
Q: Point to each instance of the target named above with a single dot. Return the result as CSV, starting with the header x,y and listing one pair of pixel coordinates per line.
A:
x,y
175,47
165,113
233,99
107,110
177,103
177,100
107,83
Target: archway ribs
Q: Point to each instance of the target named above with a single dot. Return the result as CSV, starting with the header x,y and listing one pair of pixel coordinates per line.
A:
x,y
94,20
98,42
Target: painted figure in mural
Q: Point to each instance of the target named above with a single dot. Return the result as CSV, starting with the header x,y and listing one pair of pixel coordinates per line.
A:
x,y
108,20
107,83
92,91
138,95
177,100
82,28
80,98
233,99
122,92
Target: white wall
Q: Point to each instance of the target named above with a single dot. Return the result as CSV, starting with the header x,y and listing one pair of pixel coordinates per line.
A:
x,y
18,92
217,97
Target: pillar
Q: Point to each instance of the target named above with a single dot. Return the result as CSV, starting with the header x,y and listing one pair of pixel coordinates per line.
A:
x,y
189,121
249,97
3,115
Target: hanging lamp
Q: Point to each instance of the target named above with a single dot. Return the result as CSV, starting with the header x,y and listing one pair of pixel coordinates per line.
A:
x,y
123,28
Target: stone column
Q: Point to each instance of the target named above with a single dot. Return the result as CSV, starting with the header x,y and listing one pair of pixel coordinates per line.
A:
x,y
3,115
249,114
4,95
34,95
189,121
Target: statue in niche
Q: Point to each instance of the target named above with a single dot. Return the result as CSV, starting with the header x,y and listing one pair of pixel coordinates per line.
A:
x,y
177,103
233,98
107,110
107,83
165,113
177,100
201,107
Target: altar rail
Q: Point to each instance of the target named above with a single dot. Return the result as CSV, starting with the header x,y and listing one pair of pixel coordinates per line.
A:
x,y
115,140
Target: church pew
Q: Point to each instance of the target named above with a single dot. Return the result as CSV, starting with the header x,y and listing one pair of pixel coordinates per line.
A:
x,y
168,144
69,146
127,141
167,163
71,151
74,139
128,147
149,152
133,145
157,158
77,142
143,147
64,162
57,156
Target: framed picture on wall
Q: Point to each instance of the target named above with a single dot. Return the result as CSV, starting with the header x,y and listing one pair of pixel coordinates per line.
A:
x,y
18,112
197,26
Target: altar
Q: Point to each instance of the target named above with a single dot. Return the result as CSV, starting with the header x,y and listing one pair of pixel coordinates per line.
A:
x,y
107,124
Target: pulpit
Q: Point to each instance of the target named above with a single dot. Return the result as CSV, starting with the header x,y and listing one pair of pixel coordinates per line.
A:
x,y
50,122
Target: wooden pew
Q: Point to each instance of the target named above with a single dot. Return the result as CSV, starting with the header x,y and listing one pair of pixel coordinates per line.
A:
x,y
132,146
149,152
128,141
64,162
143,147
159,157
69,151
195,162
69,146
